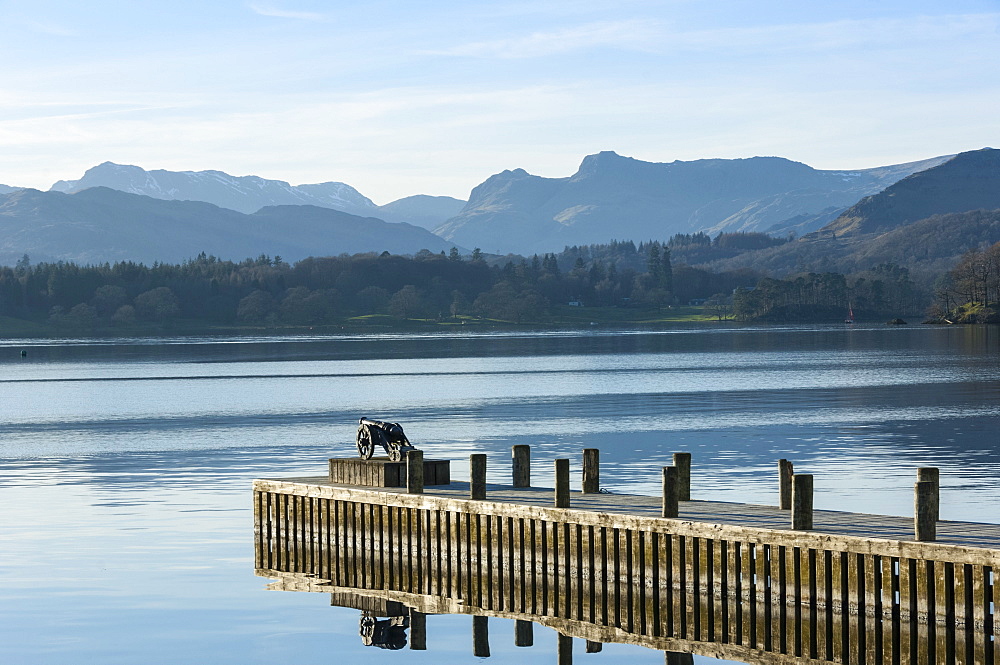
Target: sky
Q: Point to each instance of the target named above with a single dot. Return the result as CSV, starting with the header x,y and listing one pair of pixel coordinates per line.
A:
x,y
401,98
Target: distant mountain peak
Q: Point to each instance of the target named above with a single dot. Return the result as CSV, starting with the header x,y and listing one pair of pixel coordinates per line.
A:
x,y
243,193
967,181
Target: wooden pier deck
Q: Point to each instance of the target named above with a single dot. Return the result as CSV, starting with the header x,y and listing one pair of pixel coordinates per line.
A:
x,y
853,588
753,516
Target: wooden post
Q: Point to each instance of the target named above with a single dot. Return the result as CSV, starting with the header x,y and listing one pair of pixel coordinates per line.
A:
x,y
924,504
670,491
418,631
480,635
932,474
524,633
785,472
477,476
683,463
802,502
564,649
562,483
521,471
675,658
594,647
591,470
415,472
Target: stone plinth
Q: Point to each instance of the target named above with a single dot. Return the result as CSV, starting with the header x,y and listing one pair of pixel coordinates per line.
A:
x,y
380,472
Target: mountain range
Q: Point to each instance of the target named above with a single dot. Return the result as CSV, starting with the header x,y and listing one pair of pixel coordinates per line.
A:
x,y
611,196
925,221
100,224
249,194
846,219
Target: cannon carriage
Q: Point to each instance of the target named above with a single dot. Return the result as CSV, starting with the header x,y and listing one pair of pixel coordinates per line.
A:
x,y
390,436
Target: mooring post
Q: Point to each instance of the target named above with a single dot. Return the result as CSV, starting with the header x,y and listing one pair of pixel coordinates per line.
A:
x,y
564,649
524,633
591,470
594,647
933,474
477,476
521,469
562,483
481,637
924,507
802,501
683,463
785,472
670,491
418,631
415,472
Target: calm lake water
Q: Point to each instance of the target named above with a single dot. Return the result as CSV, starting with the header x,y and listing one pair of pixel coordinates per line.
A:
x,y
125,465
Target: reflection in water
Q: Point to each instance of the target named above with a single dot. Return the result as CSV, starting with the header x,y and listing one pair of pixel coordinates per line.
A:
x,y
139,452
734,592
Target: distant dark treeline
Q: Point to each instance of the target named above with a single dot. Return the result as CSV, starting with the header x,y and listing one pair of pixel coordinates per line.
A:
x,y
970,292
268,290
884,290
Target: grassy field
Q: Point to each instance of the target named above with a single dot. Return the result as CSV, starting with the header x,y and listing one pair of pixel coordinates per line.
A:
x,y
561,317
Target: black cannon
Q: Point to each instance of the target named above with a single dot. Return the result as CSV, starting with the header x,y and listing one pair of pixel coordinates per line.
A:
x,y
390,436
383,633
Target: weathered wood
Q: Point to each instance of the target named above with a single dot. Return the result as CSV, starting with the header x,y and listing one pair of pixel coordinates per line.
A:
x,y
802,502
524,635
477,476
671,492
924,508
415,472
683,463
725,574
418,627
564,649
480,637
380,472
591,471
932,474
562,483
521,465
785,473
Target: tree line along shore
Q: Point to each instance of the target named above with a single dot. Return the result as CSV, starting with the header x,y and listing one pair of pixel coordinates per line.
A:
x,y
618,282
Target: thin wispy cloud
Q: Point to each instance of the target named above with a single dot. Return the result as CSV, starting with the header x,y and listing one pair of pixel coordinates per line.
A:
x,y
53,29
839,34
278,12
631,35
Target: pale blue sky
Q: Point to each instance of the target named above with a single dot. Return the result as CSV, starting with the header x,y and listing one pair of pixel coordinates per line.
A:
x,y
399,98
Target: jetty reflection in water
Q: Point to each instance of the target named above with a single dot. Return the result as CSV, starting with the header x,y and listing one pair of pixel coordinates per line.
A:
x,y
670,590
397,620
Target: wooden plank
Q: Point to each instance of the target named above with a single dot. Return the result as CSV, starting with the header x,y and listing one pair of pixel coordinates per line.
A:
x,y
887,613
668,617
601,577
779,588
582,568
976,635
825,591
958,542
710,557
694,565
738,626
764,604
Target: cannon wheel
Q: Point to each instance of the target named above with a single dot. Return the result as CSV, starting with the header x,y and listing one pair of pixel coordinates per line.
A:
x,y
366,626
366,447
394,454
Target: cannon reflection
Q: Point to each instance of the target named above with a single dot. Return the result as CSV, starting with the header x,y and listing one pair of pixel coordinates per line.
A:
x,y
383,633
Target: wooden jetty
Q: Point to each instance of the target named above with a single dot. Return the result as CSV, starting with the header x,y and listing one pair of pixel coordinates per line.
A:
x,y
683,576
